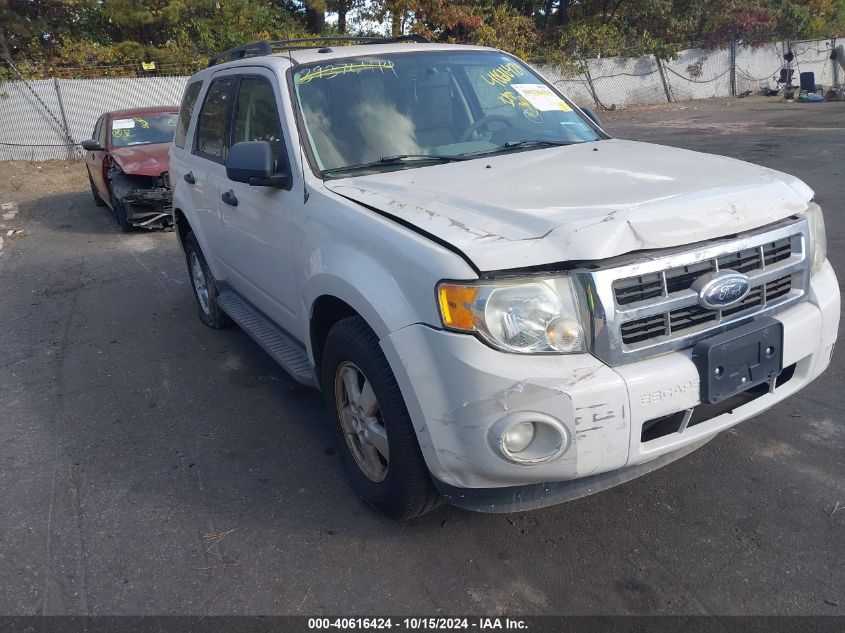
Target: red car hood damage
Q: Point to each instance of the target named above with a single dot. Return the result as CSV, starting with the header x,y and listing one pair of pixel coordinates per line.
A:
x,y
142,160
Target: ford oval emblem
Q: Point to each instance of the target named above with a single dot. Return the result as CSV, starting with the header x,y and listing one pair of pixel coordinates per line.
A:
x,y
721,290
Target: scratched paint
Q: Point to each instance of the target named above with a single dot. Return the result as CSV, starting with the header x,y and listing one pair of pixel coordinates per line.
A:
x,y
581,202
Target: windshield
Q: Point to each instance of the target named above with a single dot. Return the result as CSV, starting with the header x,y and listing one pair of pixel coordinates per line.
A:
x,y
143,129
384,112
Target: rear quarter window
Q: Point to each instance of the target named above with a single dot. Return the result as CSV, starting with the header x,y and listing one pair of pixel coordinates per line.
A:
x,y
189,100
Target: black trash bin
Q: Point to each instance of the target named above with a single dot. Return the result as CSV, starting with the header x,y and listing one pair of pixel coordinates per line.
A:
x,y
808,82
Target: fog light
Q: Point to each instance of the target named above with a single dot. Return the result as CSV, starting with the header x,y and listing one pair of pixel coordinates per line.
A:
x,y
517,438
528,438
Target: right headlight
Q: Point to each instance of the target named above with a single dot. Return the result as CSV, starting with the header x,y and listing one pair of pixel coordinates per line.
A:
x,y
527,316
818,236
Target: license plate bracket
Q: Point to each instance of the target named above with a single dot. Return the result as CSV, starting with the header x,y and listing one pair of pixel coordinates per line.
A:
x,y
739,359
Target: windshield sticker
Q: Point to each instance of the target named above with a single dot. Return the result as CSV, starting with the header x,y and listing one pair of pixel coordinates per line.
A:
x,y
504,74
330,72
516,100
541,97
123,124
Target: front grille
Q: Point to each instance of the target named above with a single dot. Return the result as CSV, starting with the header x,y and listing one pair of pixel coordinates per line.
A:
x,y
644,287
647,306
638,330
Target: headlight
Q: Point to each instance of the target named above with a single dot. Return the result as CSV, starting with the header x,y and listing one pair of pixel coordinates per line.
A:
x,y
818,236
524,316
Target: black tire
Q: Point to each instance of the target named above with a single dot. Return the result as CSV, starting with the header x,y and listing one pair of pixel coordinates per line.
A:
x,y
119,209
210,314
407,490
98,200
122,222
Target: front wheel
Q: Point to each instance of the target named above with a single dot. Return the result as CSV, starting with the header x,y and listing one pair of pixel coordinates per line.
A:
x,y
119,209
204,285
371,423
98,199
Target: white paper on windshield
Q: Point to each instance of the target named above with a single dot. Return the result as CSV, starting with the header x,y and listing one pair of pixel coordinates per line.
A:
x,y
123,124
541,97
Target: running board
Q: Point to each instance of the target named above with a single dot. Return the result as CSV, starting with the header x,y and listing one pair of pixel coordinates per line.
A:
x,y
284,349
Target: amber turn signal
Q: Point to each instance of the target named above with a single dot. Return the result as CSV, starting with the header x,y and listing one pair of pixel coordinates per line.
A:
x,y
456,306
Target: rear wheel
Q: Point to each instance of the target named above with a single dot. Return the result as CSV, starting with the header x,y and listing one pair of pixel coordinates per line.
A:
x,y
371,424
204,285
98,200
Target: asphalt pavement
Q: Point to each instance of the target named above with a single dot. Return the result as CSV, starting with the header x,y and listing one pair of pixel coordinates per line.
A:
x,y
150,465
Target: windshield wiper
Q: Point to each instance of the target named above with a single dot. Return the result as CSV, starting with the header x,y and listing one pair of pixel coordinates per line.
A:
x,y
398,159
532,142
517,145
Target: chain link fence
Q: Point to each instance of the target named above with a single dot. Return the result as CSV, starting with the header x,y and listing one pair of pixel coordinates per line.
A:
x,y
46,119
695,73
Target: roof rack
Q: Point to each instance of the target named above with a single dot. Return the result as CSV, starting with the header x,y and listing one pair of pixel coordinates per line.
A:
x,y
268,47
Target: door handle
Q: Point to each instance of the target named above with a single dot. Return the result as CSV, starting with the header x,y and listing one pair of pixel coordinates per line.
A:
x,y
229,198
189,178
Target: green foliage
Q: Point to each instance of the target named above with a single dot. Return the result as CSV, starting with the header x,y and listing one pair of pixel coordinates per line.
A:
x,y
179,35
507,29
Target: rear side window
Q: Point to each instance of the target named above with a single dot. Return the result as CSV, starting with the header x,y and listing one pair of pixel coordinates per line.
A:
x,y
212,139
188,101
256,115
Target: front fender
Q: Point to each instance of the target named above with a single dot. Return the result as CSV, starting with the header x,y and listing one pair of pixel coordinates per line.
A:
x,y
386,272
357,279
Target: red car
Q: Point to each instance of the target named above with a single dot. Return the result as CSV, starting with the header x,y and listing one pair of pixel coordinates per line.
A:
x,y
127,165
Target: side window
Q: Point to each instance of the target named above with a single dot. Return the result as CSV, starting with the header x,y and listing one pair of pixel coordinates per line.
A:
x,y
98,128
257,115
212,139
189,99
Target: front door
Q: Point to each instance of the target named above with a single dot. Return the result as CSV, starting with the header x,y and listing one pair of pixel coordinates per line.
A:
x,y
257,230
94,160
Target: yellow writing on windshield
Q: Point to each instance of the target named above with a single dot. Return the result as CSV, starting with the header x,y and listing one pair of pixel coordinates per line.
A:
x,y
504,74
518,101
332,71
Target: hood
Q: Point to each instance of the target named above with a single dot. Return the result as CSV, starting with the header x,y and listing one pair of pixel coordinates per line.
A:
x,y
142,160
580,202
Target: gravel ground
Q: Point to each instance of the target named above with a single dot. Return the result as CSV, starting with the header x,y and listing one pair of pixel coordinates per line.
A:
x,y
149,465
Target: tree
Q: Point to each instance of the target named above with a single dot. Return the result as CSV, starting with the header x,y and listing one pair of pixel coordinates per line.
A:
x,y
86,32
343,8
315,16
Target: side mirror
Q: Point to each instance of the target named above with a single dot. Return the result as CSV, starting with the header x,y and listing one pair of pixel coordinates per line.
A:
x,y
91,146
592,116
252,162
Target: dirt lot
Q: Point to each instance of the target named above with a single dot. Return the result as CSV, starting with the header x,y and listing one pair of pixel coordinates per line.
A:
x,y
151,465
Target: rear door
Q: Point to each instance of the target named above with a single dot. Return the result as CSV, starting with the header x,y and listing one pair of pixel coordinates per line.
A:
x,y
257,230
207,170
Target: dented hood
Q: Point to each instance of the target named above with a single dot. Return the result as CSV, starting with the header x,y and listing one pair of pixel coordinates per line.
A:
x,y
142,160
580,202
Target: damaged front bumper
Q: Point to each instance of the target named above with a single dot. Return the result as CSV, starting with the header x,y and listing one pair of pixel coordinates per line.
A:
x,y
147,200
620,422
149,207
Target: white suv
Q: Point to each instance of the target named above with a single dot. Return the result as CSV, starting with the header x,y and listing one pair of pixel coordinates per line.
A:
x,y
503,306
